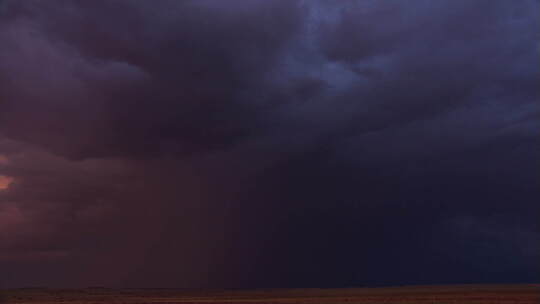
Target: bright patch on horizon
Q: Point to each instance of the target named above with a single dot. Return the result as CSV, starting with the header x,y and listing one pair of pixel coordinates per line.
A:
x,y
5,181
3,160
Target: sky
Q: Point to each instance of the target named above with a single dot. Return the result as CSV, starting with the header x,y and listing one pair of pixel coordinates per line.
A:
x,y
269,143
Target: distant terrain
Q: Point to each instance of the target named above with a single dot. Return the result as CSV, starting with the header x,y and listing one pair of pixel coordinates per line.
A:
x,y
469,294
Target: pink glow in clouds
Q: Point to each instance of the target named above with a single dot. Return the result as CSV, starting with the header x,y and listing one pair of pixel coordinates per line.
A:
x,y
5,182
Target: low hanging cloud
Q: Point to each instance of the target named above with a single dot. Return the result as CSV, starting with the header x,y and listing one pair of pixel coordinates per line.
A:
x,y
149,82
267,143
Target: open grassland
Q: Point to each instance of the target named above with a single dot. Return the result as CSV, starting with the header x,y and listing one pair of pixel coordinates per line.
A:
x,y
464,294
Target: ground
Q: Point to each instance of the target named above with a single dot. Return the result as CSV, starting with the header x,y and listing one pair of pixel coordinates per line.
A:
x,y
463,294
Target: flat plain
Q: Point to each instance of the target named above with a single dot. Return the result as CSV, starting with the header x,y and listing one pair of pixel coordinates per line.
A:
x,y
458,294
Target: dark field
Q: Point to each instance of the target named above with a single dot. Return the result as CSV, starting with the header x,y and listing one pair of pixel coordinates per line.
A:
x,y
418,294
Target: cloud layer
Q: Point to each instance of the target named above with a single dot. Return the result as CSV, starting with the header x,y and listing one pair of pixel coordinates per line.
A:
x,y
268,143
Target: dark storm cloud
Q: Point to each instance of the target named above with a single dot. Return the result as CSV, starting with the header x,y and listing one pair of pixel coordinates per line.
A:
x,y
140,78
439,123
110,81
268,143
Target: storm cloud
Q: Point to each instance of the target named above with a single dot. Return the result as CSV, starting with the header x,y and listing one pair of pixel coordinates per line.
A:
x,y
268,143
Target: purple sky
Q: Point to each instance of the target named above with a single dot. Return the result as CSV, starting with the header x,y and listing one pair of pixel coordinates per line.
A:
x,y
267,143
